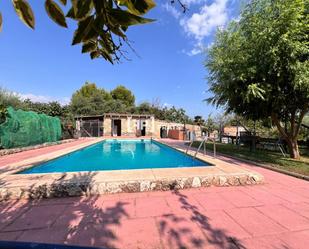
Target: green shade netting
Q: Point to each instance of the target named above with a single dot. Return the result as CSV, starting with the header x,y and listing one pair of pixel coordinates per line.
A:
x,y
23,128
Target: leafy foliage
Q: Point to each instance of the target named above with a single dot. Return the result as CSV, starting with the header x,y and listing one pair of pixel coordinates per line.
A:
x,y
92,100
172,114
3,113
8,98
123,94
55,13
199,120
24,12
210,124
53,108
259,66
101,24
0,22
89,100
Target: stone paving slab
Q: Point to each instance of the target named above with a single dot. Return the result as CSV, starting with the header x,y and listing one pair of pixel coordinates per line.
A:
x,y
171,219
258,224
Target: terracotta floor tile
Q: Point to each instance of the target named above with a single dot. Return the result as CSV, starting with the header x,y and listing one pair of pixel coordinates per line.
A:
x,y
11,210
263,197
127,233
297,240
287,195
239,199
286,217
254,222
37,217
220,223
301,208
46,235
152,206
178,231
185,204
213,201
10,236
265,242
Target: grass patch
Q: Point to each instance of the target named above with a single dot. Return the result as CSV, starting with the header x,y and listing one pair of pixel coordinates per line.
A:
x,y
263,156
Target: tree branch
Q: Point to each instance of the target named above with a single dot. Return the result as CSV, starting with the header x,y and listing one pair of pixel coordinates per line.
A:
x,y
281,130
182,5
300,119
292,121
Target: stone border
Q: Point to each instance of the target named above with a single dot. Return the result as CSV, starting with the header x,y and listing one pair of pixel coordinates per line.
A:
x,y
86,188
50,185
4,152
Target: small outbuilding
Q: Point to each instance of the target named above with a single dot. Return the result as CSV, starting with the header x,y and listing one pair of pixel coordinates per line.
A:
x,y
133,125
115,124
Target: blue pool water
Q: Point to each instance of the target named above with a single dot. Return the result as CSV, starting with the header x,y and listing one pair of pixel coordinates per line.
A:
x,y
116,155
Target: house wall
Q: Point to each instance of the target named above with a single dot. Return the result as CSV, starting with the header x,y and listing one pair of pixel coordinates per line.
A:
x,y
232,130
176,134
129,126
177,127
153,126
107,127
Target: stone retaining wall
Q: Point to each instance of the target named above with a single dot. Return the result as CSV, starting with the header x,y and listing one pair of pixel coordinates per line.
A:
x,y
85,188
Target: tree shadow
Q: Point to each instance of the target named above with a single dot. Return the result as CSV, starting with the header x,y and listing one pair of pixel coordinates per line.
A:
x,y
183,236
85,220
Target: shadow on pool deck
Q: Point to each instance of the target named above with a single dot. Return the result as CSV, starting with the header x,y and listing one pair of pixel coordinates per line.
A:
x,y
74,220
101,220
214,237
137,220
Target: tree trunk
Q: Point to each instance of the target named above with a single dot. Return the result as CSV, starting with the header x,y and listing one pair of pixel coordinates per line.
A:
x,y
293,148
289,137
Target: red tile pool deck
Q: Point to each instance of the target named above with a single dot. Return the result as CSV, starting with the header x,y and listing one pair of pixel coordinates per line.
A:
x,y
272,215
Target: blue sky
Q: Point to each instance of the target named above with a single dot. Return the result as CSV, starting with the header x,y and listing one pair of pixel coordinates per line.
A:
x,y
43,65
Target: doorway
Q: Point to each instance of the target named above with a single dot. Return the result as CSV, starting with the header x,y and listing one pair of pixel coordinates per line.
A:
x,y
163,132
143,128
116,127
91,128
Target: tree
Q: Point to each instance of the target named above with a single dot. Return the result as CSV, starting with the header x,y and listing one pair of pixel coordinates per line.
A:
x,y
124,95
89,100
259,67
101,24
210,125
144,108
177,115
52,108
115,106
199,120
9,98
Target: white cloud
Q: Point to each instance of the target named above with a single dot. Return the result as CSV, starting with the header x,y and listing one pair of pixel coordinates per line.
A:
x,y
189,2
167,105
203,23
194,51
198,48
44,99
172,10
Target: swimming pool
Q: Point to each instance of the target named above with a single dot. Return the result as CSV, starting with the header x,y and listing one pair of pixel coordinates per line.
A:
x,y
115,154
